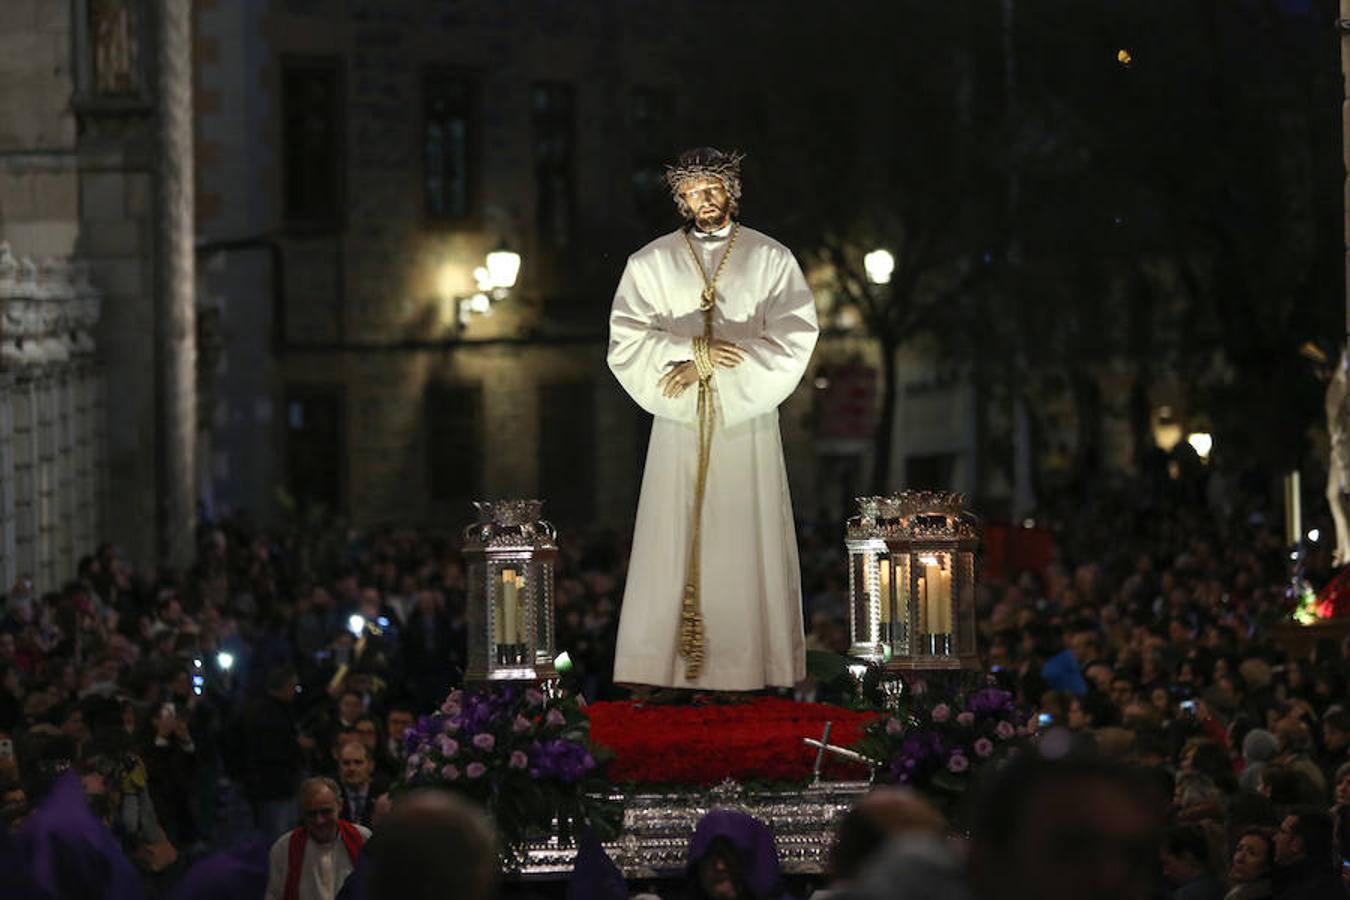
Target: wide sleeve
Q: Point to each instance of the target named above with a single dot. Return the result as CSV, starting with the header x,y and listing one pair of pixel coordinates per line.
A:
x,y
776,359
641,349
278,860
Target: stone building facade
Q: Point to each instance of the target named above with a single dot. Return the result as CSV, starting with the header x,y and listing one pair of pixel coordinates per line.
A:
x,y
84,146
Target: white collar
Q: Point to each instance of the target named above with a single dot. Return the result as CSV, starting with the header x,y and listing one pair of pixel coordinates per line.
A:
x,y
713,235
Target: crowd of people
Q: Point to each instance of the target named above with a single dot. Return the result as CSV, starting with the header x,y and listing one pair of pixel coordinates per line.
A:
x,y
269,686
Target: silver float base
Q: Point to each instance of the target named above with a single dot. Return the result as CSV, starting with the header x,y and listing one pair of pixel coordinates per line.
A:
x,y
657,828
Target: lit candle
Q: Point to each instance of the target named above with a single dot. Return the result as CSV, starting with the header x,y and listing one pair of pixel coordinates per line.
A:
x,y
921,597
885,589
945,601
520,608
934,600
507,635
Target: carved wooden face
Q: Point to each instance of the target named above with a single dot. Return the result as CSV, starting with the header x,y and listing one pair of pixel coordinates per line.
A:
x,y
708,202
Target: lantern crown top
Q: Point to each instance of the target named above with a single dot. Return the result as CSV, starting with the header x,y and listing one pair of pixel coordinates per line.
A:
x,y
509,512
911,513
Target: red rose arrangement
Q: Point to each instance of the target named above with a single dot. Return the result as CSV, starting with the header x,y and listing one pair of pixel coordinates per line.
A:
x,y
760,740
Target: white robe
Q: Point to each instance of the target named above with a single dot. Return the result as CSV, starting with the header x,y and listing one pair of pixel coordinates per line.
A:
x,y
323,870
750,589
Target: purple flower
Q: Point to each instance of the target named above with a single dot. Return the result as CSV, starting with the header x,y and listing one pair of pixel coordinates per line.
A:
x,y
942,712
449,746
519,760
984,747
450,772
484,741
451,725
555,718
475,770
991,701
521,725
958,763
965,719
894,727
563,760
453,700
533,697
1005,730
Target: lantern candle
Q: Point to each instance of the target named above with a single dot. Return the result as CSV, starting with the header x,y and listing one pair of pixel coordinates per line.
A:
x,y
945,601
507,635
935,588
520,609
885,592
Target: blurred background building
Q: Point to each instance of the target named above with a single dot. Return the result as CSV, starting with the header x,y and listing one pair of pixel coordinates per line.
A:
x,y
282,204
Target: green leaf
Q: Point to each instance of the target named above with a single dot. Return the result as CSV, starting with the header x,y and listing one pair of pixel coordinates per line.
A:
x,y
825,666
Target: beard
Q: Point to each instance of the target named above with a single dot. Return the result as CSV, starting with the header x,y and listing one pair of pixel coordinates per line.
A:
x,y
711,217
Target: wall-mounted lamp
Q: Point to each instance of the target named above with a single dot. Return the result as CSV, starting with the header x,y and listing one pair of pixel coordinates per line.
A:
x,y
494,281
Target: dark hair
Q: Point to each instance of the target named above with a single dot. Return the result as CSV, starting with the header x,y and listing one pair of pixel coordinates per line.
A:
x,y
431,839
1006,798
857,840
1313,827
278,677
1285,784
1187,841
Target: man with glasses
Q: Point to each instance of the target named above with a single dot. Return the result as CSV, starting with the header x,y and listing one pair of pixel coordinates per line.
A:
x,y
1303,858
311,862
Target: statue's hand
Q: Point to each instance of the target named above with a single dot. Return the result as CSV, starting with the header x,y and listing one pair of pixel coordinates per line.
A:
x,y
679,379
725,353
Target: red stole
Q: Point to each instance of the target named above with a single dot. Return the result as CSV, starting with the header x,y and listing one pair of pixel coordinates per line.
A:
x,y
295,852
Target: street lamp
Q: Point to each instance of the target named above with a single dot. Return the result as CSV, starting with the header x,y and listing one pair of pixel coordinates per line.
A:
x,y
1202,442
879,265
493,282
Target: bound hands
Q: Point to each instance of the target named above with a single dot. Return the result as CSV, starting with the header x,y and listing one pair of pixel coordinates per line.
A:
x,y
725,355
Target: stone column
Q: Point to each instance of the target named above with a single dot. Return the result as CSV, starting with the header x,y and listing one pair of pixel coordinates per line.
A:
x,y
175,282
60,292
24,356
9,566
24,409
9,361
87,304
47,576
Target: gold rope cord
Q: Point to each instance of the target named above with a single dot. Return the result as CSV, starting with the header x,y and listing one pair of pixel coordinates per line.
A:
x,y
691,614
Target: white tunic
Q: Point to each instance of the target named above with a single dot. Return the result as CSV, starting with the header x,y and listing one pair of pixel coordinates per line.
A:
x,y
323,870
750,590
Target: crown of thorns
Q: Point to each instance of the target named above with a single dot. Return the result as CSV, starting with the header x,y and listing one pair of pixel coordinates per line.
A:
x,y
706,162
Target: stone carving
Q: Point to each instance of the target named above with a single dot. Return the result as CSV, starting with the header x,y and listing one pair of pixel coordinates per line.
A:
x,y
115,47
86,308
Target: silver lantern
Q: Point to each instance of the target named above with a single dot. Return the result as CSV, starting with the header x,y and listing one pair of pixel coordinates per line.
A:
x,y
912,581
510,555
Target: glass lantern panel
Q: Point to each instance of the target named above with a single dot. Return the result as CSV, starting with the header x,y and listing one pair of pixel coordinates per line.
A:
x,y
859,586
965,603
476,573
903,625
543,605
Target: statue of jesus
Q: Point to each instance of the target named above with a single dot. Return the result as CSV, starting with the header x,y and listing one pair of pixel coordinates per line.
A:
x,y
711,329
